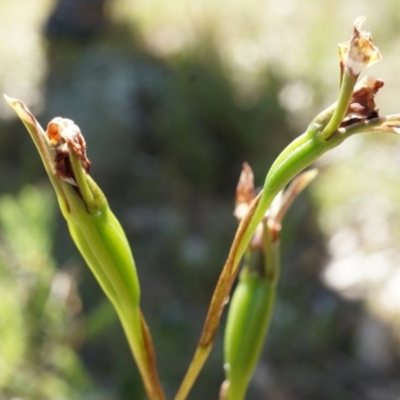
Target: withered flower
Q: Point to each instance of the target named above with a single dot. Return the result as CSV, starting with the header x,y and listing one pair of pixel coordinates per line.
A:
x,y
359,52
355,55
245,194
66,136
362,104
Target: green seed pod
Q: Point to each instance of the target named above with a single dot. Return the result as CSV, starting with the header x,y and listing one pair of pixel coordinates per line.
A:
x,y
103,244
254,297
95,231
249,316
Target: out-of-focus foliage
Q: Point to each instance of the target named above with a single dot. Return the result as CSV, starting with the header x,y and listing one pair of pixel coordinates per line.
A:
x,y
40,322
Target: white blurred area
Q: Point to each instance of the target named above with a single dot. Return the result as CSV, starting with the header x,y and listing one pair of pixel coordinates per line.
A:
x,y
298,40
358,194
22,52
295,40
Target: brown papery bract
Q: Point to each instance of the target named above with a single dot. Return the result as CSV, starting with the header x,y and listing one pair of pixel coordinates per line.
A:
x,y
66,136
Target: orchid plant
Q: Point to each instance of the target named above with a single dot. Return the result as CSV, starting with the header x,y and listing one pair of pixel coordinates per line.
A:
x,y
103,244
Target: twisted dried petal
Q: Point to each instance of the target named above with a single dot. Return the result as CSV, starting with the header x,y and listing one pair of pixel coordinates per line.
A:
x,y
362,104
65,134
245,192
359,52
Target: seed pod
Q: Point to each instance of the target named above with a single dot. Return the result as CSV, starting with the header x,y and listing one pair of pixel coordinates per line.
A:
x,y
249,316
253,300
90,220
95,230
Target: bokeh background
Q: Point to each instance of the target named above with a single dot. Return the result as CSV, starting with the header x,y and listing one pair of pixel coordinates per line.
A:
x,y
172,98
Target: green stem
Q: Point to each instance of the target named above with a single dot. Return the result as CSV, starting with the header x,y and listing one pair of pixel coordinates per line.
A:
x,y
346,91
297,156
81,182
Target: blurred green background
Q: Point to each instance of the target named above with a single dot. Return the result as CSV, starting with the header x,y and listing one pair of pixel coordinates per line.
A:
x,y
172,98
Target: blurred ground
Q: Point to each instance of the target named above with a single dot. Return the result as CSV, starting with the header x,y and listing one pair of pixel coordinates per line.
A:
x,y
172,99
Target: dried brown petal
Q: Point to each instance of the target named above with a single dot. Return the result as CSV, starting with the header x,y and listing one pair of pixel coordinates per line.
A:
x,y
55,127
65,134
63,165
362,105
245,192
359,52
